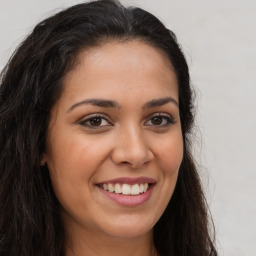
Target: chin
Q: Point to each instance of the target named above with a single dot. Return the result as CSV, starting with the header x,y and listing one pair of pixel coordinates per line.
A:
x,y
129,228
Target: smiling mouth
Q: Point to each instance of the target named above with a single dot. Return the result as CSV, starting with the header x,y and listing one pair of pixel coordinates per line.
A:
x,y
126,189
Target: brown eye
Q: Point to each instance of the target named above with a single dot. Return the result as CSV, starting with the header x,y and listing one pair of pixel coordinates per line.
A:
x,y
160,120
95,122
157,120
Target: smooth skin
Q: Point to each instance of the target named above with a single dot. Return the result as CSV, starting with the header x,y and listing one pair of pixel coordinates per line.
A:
x,y
118,116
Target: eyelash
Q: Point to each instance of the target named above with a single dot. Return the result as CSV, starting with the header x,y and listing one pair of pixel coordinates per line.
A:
x,y
86,122
168,119
100,117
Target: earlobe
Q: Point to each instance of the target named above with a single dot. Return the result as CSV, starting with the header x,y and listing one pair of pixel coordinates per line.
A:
x,y
43,160
43,163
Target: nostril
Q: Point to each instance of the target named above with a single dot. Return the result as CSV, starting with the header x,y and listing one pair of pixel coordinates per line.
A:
x,y
129,155
125,162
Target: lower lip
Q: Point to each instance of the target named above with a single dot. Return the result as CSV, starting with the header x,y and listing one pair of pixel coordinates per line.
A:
x,y
129,200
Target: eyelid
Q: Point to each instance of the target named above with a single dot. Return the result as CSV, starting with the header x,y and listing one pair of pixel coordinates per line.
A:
x,y
160,114
166,116
89,117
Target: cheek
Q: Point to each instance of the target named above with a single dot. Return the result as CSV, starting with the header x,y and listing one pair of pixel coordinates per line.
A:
x,y
73,154
72,165
73,162
171,155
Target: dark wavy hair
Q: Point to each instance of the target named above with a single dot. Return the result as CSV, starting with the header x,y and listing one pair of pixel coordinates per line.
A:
x,y
31,83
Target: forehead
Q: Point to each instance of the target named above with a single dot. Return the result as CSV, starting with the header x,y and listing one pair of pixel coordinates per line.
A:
x,y
131,53
121,67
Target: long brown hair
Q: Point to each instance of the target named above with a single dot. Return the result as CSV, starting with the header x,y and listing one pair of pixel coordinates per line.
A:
x,y
30,85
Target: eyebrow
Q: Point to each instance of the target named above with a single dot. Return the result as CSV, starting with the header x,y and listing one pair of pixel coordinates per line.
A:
x,y
96,102
159,102
113,104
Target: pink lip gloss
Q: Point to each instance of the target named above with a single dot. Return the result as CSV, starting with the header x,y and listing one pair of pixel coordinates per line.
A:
x,y
129,200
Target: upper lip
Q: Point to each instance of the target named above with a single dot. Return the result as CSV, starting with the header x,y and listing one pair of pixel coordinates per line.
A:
x,y
128,180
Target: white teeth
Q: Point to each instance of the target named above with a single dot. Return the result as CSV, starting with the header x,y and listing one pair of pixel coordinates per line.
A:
x,y
145,187
111,188
126,189
141,188
118,188
135,189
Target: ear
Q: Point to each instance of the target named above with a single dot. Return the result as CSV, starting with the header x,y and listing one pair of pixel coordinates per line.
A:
x,y
43,160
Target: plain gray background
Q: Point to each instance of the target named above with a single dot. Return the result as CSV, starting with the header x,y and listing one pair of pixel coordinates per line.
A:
x,y
219,40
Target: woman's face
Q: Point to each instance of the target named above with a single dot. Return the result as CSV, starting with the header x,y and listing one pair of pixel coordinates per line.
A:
x,y
114,144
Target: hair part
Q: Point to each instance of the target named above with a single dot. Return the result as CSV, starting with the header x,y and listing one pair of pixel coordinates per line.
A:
x,y
31,84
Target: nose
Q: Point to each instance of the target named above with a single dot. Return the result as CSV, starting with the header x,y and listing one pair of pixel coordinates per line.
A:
x,y
131,149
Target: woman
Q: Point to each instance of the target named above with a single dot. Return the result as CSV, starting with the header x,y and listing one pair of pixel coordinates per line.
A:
x,y
96,114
